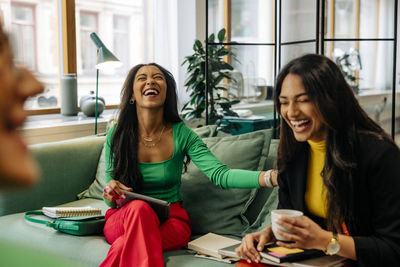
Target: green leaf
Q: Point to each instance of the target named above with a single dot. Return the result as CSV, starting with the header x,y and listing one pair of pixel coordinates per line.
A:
x,y
235,101
197,45
211,39
221,35
193,100
227,66
200,100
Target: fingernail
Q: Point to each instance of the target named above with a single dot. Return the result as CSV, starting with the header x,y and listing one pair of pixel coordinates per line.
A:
x,y
249,261
259,248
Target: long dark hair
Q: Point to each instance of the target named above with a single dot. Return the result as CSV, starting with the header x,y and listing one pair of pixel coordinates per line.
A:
x,y
344,120
124,144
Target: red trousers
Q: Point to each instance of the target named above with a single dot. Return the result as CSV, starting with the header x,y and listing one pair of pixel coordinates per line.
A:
x,y
137,239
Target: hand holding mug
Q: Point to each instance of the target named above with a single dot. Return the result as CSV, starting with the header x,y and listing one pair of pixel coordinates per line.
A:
x,y
278,214
300,231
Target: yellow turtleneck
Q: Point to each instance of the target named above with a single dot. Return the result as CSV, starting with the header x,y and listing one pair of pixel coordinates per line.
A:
x,y
315,196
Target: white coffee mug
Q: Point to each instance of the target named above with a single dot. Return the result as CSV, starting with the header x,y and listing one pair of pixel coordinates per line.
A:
x,y
276,215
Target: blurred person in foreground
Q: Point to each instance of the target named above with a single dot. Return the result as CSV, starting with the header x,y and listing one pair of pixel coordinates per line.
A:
x,y
17,167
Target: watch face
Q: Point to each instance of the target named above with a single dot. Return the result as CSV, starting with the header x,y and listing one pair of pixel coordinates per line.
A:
x,y
333,247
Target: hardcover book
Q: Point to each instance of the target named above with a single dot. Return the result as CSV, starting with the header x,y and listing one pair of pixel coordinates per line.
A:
x,y
210,243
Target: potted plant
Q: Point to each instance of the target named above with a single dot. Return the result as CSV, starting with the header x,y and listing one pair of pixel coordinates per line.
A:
x,y
349,62
218,70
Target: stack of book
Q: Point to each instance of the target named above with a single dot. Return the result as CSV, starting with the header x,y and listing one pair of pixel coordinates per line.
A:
x,y
217,247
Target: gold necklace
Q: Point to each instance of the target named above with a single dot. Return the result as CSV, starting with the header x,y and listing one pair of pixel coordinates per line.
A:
x,y
150,143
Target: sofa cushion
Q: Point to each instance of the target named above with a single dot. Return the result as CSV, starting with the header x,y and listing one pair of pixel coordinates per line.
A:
x,y
67,167
95,190
217,210
264,216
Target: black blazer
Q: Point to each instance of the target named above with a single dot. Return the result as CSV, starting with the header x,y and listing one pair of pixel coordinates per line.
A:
x,y
376,197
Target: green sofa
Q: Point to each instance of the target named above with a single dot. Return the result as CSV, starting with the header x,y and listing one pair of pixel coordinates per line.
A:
x,y
74,168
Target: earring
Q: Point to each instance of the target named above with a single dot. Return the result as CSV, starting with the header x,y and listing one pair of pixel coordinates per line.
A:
x,y
131,101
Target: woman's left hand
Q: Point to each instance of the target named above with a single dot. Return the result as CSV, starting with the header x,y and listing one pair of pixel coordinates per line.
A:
x,y
305,233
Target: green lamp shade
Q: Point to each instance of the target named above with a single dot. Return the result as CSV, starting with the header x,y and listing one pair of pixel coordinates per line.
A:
x,y
105,59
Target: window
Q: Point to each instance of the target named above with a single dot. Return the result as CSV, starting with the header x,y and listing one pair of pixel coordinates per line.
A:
x,y
23,27
110,20
88,24
33,27
136,31
251,24
366,22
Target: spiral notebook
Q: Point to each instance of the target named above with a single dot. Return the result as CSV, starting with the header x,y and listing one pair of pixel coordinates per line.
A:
x,y
57,212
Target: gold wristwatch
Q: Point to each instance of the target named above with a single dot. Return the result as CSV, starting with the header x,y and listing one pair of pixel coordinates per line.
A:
x,y
333,246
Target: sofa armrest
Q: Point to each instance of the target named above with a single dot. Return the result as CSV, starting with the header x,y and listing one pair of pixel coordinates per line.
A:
x,y
68,167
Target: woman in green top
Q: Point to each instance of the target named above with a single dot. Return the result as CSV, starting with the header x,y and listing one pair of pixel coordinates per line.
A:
x,y
145,153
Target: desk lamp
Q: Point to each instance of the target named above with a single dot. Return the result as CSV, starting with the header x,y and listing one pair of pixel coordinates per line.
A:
x,y
105,60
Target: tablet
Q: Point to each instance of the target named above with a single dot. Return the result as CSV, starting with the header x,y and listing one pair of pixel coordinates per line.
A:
x,y
161,207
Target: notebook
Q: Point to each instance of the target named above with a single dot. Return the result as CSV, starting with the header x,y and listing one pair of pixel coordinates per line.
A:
x,y
279,254
57,212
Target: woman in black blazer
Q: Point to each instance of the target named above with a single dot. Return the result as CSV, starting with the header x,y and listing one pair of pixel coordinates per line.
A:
x,y
337,166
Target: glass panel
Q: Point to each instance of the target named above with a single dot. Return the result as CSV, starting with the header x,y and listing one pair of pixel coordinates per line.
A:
x,y
252,21
252,82
376,82
368,68
298,20
88,49
22,13
289,52
34,36
375,20
255,64
215,16
371,63
252,77
397,120
23,27
121,42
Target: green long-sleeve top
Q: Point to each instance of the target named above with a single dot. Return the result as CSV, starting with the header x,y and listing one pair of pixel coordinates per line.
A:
x,y
162,180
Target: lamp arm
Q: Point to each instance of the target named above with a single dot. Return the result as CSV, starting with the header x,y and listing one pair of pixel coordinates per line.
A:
x,y
97,99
